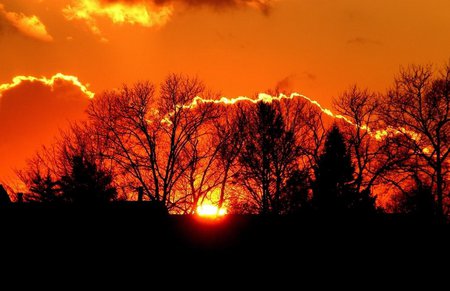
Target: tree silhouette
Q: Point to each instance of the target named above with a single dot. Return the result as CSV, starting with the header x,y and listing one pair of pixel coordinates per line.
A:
x,y
149,138
373,158
4,197
74,168
334,187
334,173
419,106
419,202
230,140
268,157
85,184
296,193
44,189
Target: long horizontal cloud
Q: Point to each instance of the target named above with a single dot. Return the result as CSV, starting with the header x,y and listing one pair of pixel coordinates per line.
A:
x,y
147,13
259,4
143,13
32,110
30,26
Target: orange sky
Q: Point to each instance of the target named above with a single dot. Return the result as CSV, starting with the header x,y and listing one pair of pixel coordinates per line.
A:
x,y
238,47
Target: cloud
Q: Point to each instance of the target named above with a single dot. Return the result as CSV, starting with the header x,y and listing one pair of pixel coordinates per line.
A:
x,y
362,41
262,5
32,110
142,13
30,26
52,83
309,76
147,13
287,84
219,4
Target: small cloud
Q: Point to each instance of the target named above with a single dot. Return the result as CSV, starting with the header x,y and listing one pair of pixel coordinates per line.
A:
x,y
309,75
69,38
287,84
30,26
362,41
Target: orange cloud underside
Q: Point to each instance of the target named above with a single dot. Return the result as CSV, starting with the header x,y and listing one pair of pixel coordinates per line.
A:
x,y
51,82
32,111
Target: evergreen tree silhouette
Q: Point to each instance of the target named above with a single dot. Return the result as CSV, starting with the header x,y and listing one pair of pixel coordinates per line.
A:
x,y
4,197
334,175
419,201
86,184
296,193
44,189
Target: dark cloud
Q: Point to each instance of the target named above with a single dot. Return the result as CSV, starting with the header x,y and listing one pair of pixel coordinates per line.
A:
x,y
263,5
309,76
287,84
31,114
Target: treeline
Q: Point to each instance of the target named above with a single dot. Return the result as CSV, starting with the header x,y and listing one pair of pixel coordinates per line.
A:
x,y
279,157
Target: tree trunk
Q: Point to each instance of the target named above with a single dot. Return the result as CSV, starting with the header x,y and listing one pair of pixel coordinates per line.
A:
x,y
276,206
439,192
222,190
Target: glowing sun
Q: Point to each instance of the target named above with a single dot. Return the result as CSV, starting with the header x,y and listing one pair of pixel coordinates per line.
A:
x,y
211,211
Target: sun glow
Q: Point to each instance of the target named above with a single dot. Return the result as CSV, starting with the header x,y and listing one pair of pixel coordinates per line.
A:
x,y
210,211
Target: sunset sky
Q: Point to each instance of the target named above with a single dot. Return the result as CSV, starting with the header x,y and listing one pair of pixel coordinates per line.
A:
x,y
238,47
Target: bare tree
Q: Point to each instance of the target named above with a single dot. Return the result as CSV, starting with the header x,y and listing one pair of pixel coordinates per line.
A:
x,y
202,176
374,155
268,156
418,109
229,142
311,138
148,135
359,106
291,145
73,162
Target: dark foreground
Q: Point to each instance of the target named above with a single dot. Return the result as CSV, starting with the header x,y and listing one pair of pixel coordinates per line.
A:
x,y
130,238
141,229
